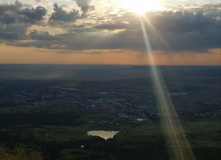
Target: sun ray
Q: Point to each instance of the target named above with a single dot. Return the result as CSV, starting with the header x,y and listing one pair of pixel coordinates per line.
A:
x,y
177,142
153,29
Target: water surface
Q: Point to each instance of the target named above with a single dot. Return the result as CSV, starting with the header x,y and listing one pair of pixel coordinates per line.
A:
x,y
103,134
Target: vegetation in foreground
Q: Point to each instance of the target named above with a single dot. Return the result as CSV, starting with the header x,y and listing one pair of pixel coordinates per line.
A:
x,y
19,153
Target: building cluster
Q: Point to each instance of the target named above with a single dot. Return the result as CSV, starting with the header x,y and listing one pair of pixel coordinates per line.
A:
x,y
136,108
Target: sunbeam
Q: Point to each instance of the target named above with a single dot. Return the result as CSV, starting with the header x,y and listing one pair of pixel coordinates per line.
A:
x,y
177,142
153,29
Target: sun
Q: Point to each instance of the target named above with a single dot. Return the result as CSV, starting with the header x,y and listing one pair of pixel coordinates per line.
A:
x,y
141,6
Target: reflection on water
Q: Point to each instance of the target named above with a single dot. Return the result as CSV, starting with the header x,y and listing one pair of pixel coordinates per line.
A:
x,y
103,134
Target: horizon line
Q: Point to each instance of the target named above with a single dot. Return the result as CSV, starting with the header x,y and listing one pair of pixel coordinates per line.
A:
x,y
108,64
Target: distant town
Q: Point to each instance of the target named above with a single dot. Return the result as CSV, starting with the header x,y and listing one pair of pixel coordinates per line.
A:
x,y
121,104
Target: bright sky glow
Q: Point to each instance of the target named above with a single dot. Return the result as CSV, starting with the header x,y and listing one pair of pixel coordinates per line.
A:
x,y
141,6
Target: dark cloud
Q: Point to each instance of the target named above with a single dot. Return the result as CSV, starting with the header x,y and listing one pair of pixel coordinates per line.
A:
x,y
8,18
186,30
60,15
85,6
32,15
16,13
210,9
45,36
13,32
10,7
8,35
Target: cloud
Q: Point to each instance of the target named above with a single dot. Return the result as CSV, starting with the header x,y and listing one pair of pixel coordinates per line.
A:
x,y
111,26
60,15
212,9
186,30
85,6
45,36
40,1
13,32
8,18
195,29
33,14
16,13
9,7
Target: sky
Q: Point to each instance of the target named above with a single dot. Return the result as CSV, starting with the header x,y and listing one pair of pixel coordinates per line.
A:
x,y
180,32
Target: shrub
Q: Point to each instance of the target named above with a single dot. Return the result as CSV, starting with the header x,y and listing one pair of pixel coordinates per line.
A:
x,y
19,153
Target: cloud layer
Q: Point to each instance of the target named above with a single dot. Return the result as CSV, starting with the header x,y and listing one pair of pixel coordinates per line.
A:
x,y
183,28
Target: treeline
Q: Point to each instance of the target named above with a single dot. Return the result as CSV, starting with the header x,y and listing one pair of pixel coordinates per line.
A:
x,y
10,120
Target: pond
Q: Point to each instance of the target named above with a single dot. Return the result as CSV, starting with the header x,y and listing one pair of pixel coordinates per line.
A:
x,y
103,134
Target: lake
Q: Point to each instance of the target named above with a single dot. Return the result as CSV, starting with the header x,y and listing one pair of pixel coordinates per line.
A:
x,y
103,134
